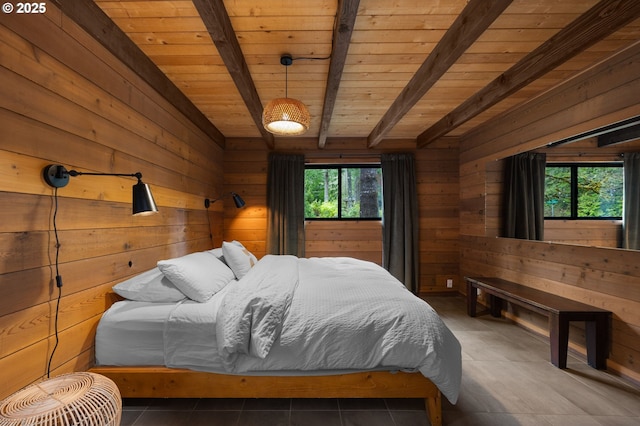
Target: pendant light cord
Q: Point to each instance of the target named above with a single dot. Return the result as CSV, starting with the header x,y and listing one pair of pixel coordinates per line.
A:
x,y
286,68
58,279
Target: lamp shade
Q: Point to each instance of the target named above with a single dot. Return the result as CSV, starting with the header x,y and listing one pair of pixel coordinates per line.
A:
x,y
143,202
286,116
239,202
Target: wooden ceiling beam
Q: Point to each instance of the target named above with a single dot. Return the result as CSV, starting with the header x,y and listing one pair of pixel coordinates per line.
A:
x,y
472,22
600,21
345,21
216,19
94,21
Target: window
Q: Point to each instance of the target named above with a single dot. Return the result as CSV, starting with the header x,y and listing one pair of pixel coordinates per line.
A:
x,y
343,192
583,191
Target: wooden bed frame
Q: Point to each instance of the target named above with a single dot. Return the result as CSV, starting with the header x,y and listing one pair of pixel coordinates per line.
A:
x,y
163,382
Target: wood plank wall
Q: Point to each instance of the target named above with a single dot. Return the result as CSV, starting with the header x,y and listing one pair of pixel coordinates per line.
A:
x,y
362,239
65,100
246,174
596,233
605,277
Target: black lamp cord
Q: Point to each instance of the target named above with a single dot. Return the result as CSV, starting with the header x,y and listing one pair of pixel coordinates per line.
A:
x,y
58,279
209,223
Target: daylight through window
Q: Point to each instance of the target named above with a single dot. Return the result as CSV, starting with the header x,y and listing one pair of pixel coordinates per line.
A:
x,y
583,191
343,192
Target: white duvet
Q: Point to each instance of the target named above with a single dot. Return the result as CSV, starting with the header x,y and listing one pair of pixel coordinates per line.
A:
x,y
317,314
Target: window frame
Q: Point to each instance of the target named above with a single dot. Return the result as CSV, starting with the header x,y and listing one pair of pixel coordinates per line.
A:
x,y
339,168
574,187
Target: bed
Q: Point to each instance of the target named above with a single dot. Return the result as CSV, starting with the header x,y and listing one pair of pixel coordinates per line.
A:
x,y
221,323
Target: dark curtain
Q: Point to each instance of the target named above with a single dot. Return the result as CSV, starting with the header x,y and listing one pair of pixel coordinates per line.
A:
x,y
631,215
285,205
400,251
524,196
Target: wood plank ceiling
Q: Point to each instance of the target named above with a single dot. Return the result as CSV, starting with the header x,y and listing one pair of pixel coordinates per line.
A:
x,y
385,69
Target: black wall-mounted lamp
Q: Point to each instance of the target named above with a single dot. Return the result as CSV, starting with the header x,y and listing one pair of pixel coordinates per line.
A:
x,y
57,176
237,200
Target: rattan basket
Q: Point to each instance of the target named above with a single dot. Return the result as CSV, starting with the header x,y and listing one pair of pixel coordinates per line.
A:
x,y
81,398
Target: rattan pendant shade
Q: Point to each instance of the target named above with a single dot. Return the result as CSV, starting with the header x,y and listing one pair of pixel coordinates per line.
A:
x,y
70,399
286,116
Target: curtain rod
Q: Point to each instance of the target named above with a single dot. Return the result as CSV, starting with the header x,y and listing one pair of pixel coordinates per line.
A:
x,y
579,155
349,155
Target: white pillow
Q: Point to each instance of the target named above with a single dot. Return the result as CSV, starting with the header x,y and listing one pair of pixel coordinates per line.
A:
x,y
198,275
149,286
239,259
217,252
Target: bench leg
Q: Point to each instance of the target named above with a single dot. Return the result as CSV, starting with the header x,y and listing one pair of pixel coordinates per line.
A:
x,y
495,306
597,334
558,339
472,299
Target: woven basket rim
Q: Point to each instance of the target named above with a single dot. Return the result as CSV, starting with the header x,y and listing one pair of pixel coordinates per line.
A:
x,y
81,397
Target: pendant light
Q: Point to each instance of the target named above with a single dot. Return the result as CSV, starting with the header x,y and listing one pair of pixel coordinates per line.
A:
x,y
286,116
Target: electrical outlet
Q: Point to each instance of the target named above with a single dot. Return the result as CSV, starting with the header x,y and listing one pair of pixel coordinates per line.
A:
x,y
449,283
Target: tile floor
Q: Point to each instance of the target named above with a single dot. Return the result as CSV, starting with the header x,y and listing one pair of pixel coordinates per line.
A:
x,y
507,380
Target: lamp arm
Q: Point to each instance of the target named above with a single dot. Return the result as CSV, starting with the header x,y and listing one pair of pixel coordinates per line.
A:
x,y
208,202
77,173
57,176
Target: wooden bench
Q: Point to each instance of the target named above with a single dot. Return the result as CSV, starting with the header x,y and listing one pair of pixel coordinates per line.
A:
x,y
560,311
